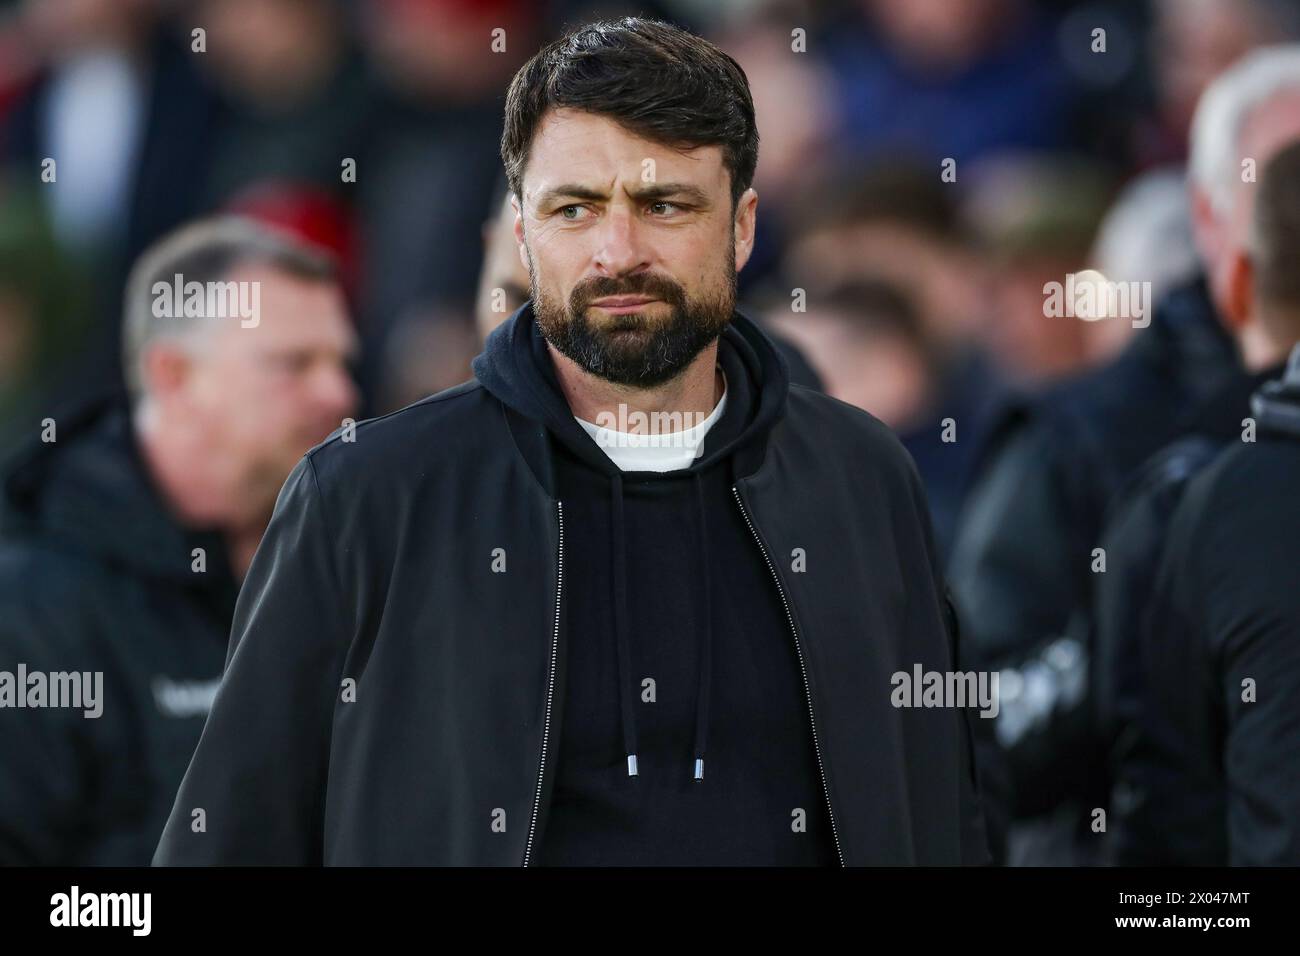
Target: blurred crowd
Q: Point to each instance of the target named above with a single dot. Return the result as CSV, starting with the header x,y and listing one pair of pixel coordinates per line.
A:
x,y
927,169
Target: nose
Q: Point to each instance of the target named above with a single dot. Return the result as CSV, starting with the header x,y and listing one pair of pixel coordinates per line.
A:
x,y
620,251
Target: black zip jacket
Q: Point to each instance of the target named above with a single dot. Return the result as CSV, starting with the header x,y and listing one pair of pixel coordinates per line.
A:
x,y
393,693
1142,805
1222,756
96,576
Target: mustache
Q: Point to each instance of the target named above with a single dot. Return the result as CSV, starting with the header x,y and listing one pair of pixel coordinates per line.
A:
x,y
647,284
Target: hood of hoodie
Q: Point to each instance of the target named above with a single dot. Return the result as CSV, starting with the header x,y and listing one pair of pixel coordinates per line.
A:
x,y
516,367
88,493
1276,406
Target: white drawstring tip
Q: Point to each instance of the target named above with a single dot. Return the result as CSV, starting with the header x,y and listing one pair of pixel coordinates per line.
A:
x,y
699,768
631,765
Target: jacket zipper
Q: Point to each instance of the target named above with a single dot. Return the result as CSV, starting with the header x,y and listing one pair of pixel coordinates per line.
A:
x,y
803,669
550,686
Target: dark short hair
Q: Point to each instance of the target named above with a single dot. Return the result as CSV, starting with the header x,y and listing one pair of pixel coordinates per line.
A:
x,y
875,307
1275,234
656,80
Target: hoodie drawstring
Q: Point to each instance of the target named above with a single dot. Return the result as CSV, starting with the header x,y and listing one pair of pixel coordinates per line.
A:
x,y
620,625
706,639
626,696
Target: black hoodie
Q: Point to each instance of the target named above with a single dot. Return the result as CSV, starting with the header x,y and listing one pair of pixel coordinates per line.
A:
x,y
1137,529
1220,738
678,645
423,666
96,576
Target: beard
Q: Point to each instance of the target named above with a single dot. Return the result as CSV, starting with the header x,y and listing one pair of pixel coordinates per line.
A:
x,y
636,349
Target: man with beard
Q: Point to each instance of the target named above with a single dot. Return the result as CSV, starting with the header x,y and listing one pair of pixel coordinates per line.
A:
x,y
525,622
503,288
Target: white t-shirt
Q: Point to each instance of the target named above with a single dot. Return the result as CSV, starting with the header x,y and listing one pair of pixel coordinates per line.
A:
x,y
657,450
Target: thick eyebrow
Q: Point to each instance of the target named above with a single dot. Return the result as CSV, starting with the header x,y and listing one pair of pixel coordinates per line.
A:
x,y
652,192
568,191
657,191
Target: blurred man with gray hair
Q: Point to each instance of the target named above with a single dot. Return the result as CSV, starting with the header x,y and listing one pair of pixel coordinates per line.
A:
x,y
125,530
1200,594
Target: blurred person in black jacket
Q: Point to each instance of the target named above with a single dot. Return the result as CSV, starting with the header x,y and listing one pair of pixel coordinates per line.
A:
x,y
1224,652
1200,777
124,533
1024,566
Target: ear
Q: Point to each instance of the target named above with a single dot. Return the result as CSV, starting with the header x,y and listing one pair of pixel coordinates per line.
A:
x,y
745,224
1240,306
519,231
1206,227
